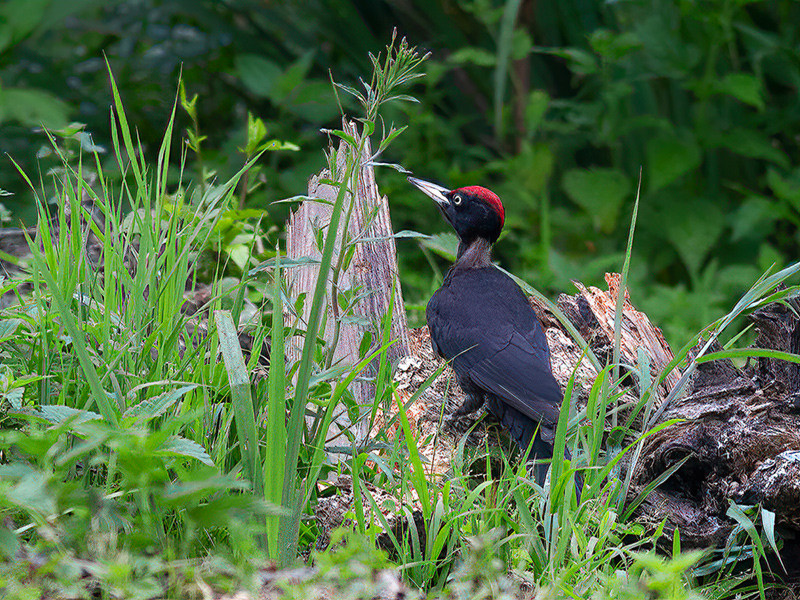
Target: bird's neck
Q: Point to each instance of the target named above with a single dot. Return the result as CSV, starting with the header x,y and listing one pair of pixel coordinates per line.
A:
x,y
474,255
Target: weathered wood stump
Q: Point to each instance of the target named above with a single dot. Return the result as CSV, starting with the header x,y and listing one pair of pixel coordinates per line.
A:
x,y
366,239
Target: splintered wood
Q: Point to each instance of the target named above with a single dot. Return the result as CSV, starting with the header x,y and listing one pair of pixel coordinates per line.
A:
x,y
638,333
365,243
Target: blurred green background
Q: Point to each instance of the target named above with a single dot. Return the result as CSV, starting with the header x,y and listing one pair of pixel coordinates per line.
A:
x,y
554,105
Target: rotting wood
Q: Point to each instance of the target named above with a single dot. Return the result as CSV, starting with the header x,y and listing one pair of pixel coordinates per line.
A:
x,y
371,271
740,427
638,333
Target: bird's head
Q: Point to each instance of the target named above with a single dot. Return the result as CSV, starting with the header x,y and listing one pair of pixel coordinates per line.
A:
x,y
474,212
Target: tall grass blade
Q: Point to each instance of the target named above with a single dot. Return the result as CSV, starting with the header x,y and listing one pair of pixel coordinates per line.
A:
x,y
276,412
504,42
623,285
104,406
242,400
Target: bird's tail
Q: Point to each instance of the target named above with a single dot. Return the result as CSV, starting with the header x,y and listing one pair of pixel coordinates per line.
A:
x,y
523,429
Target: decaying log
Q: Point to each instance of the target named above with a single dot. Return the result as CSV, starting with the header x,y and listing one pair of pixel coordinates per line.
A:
x,y
740,427
371,272
637,331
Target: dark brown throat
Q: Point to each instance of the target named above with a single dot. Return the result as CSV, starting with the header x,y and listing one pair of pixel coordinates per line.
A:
x,y
475,255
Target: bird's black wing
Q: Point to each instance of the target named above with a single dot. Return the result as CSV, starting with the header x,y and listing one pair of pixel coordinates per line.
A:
x,y
517,373
482,322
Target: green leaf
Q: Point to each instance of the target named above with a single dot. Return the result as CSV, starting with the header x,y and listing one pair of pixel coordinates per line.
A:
x,y
285,263
669,157
292,78
9,545
8,327
579,61
190,106
273,145
738,353
443,244
755,218
56,413
18,18
257,73
182,447
753,144
744,87
154,407
532,169
768,521
692,237
612,46
785,188
256,131
33,108
244,409
473,55
600,192
31,493
313,102
535,107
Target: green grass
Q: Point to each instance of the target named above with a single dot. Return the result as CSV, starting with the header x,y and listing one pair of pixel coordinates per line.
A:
x,y
142,448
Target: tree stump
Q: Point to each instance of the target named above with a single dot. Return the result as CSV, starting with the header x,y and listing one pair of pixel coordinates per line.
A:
x,y
371,272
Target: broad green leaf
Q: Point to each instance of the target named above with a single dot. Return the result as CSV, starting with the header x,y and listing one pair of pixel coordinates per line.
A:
x,y
33,107
182,447
693,226
668,158
755,217
753,144
579,61
535,108
292,77
443,244
600,192
314,102
9,546
31,493
257,73
474,55
532,169
56,413
18,18
785,188
8,327
744,87
613,46
154,407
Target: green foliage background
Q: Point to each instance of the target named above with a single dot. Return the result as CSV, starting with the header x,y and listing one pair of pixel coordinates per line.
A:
x,y
554,105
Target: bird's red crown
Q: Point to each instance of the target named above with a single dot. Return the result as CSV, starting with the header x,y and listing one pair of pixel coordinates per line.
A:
x,y
487,196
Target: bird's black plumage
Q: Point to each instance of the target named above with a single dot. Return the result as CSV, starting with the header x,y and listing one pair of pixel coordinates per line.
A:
x,y
480,320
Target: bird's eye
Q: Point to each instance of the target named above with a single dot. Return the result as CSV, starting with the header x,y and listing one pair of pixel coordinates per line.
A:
x,y
457,199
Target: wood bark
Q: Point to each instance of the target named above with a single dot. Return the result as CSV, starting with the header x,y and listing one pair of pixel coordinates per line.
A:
x,y
370,273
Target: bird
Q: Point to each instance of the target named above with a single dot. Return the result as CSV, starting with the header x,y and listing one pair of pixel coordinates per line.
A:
x,y
481,322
